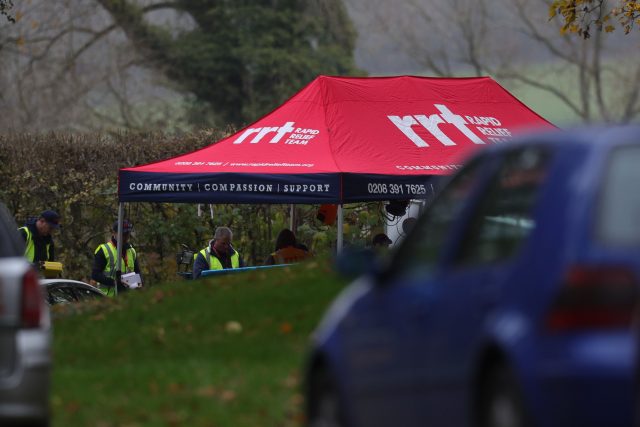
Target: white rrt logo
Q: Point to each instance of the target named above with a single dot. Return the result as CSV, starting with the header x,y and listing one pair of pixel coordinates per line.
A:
x,y
432,124
261,132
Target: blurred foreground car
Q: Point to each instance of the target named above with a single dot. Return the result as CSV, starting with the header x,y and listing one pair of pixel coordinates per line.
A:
x,y
25,336
64,291
510,303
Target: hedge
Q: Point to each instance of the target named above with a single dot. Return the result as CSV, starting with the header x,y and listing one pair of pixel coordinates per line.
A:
x,y
76,175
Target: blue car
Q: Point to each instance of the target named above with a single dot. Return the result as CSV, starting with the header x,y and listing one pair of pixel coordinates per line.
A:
x,y
510,304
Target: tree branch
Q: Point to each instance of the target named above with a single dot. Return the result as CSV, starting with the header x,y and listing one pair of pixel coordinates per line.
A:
x,y
163,5
547,88
631,108
97,36
130,18
536,35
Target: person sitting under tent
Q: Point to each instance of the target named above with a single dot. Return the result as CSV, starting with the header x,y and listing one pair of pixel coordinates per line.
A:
x,y
380,242
218,255
288,250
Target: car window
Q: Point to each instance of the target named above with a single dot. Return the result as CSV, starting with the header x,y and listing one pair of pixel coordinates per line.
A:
x,y
422,248
86,294
619,207
60,295
504,218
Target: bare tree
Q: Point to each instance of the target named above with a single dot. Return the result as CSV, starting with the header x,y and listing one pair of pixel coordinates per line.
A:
x,y
514,41
66,65
148,64
596,78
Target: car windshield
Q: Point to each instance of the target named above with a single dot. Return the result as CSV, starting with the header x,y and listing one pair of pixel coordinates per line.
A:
x,y
60,295
619,219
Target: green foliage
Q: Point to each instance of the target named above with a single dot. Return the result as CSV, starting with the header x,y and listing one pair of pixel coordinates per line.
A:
x,y
77,175
244,58
226,351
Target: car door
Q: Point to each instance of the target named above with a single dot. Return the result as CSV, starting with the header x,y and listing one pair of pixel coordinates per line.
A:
x,y
470,289
12,267
390,386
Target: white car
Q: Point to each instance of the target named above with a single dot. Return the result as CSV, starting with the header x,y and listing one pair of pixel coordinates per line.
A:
x,y
25,334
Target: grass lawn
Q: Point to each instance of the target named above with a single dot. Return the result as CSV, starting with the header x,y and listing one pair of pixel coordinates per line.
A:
x,y
224,351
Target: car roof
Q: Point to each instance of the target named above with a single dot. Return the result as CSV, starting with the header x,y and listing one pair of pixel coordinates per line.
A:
x,y
47,282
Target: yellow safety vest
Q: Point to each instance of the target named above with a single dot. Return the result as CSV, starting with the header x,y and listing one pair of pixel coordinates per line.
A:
x,y
30,250
110,253
215,264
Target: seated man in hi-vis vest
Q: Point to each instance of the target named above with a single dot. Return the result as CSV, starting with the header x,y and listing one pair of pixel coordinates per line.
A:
x,y
104,261
218,255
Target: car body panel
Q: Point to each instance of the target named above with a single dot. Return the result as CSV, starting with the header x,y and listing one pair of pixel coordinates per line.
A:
x,y
414,342
25,352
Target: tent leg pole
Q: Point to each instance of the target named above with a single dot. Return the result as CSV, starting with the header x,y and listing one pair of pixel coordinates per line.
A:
x,y
340,230
292,213
119,247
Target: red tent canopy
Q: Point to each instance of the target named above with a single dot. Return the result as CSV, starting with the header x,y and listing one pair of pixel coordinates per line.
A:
x,y
342,139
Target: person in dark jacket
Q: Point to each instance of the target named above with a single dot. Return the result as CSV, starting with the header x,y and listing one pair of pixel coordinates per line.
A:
x,y
218,255
36,233
288,250
103,271
380,242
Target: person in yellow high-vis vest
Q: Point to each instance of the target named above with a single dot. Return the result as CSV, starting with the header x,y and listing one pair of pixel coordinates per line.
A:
x,y
36,233
218,255
104,260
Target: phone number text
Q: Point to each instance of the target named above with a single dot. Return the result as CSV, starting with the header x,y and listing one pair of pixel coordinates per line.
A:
x,y
395,189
